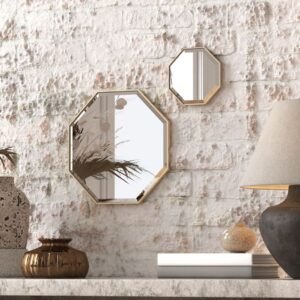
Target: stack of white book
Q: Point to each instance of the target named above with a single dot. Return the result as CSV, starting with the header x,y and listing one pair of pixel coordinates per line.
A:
x,y
216,265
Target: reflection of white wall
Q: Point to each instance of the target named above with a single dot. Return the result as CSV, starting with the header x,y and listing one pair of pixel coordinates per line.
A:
x,y
98,130
194,74
211,71
182,75
141,135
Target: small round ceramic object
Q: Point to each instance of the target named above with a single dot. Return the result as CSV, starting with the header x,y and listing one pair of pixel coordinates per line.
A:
x,y
238,238
121,103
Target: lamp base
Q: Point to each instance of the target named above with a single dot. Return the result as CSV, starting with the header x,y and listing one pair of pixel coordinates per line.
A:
x,y
280,229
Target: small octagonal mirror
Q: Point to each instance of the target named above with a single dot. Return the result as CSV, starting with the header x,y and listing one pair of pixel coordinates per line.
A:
x,y
119,147
195,76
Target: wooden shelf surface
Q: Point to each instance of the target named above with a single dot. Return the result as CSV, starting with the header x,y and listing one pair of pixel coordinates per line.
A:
x,y
152,287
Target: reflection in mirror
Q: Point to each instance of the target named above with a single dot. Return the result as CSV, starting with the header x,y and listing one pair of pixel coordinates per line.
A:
x,y
119,147
195,76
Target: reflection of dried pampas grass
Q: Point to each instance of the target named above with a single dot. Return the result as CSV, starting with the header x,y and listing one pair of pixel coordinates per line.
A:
x,y
9,154
93,163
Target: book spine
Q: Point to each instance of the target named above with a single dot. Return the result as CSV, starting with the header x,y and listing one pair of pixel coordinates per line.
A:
x,y
215,272
204,259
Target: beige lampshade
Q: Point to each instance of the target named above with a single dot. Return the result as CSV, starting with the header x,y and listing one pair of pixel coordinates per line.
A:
x,y
275,164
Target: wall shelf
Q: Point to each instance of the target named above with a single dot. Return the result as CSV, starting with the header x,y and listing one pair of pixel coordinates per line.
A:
x,y
152,287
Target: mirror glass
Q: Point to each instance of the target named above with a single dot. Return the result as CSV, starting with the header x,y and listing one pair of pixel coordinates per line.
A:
x,y
195,76
119,147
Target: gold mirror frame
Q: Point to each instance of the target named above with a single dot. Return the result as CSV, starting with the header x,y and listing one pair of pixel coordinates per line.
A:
x,y
213,91
158,176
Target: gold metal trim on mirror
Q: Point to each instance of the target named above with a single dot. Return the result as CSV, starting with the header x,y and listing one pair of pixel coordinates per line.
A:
x,y
158,176
213,91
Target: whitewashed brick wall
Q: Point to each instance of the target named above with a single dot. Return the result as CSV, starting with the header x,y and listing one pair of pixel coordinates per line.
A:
x,y
55,54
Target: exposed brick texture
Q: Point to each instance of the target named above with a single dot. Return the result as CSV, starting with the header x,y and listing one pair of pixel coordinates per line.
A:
x,y
55,54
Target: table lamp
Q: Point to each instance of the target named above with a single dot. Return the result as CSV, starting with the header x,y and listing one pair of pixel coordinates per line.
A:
x,y
275,165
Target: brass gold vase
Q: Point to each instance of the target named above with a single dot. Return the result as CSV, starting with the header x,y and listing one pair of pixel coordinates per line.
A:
x,y
55,259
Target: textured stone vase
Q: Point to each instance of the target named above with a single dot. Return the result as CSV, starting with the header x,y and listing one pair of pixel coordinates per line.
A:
x,y
55,259
14,224
238,238
14,215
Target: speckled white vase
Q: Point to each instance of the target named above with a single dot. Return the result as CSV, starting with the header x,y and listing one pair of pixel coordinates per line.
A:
x,y
14,215
14,225
239,238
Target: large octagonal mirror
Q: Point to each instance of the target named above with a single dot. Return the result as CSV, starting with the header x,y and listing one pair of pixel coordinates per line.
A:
x,y
119,147
195,76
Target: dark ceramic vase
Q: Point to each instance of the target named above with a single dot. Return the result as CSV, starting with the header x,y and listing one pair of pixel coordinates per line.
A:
x,y
280,229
